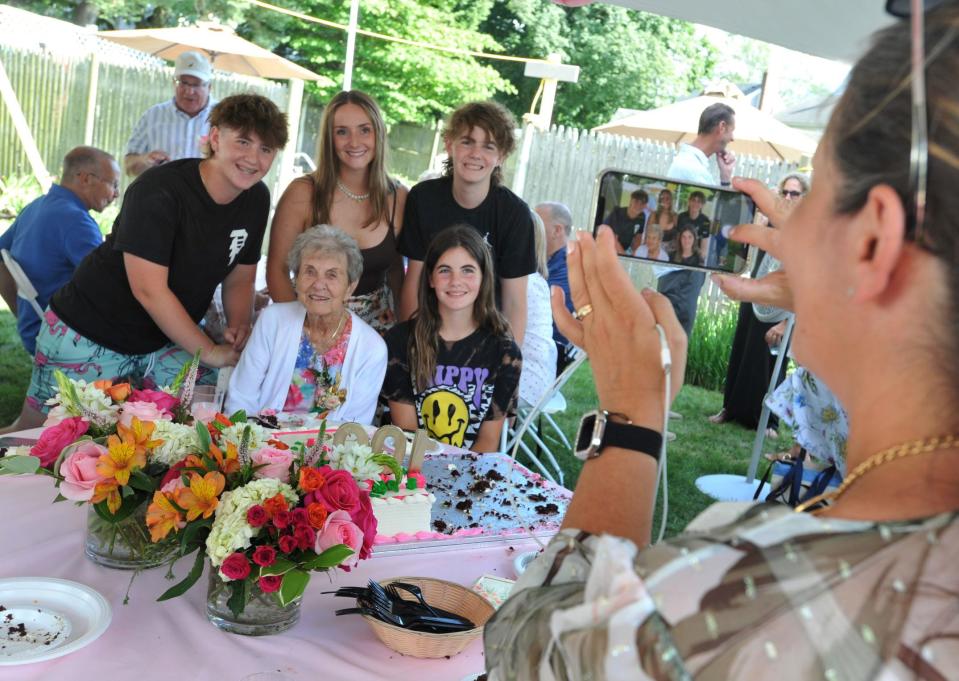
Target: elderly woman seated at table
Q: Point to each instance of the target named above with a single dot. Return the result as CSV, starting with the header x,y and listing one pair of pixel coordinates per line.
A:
x,y
862,587
313,354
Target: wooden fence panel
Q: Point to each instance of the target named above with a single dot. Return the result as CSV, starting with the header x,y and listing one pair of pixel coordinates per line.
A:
x,y
53,88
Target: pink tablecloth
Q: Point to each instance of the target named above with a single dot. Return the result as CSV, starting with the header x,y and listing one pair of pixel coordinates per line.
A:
x,y
173,641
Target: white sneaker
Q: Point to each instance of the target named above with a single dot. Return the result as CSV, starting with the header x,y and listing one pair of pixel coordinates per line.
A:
x,y
675,415
670,436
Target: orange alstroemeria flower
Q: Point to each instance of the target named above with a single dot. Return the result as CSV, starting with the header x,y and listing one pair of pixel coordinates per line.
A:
x,y
311,479
162,517
108,490
121,458
139,434
202,495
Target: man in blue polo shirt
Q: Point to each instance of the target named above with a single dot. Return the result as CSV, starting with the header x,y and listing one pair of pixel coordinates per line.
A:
x,y
178,127
55,232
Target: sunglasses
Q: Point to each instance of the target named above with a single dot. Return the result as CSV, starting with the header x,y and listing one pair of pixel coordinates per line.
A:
x,y
915,10
790,193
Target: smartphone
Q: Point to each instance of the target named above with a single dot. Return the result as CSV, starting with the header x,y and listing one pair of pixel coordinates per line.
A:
x,y
672,223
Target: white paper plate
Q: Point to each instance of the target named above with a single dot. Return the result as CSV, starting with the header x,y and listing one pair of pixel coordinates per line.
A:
x,y
523,560
43,618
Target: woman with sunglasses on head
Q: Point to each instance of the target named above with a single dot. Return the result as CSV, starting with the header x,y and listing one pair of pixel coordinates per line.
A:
x,y
864,587
350,190
454,367
750,364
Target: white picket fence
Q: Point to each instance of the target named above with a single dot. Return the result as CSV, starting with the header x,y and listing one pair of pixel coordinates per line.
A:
x,y
563,164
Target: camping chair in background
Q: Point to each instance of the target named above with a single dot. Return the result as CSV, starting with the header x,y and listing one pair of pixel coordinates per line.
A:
x,y
529,421
25,289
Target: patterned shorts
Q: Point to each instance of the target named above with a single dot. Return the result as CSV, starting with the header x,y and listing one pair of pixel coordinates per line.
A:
x,y
61,347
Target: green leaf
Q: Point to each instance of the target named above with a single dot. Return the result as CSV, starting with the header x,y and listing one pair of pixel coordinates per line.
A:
x,y
280,566
19,465
240,597
182,587
239,416
294,584
67,390
141,481
204,434
189,534
332,557
184,370
127,507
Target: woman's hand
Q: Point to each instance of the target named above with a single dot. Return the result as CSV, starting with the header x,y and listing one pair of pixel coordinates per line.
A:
x,y
619,334
773,289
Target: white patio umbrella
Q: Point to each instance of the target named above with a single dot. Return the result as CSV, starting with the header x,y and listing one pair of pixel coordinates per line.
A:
x,y
227,50
757,133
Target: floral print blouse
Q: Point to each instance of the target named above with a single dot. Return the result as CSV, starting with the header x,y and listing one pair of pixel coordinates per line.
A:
x,y
316,377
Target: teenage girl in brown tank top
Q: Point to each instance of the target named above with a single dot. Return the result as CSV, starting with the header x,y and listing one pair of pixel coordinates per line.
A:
x,y
351,191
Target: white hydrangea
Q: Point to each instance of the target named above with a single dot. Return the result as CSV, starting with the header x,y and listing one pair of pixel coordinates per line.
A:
x,y
178,441
230,531
234,434
357,459
91,402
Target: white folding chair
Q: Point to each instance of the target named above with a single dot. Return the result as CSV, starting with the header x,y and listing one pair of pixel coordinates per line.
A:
x,y
552,402
25,289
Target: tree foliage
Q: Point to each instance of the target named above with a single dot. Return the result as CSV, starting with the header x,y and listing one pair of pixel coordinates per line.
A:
x,y
410,83
627,59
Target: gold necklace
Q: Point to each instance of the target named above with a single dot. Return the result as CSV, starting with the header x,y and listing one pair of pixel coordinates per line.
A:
x,y
324,342
901,451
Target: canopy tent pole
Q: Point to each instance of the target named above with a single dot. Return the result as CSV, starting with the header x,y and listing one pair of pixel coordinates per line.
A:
x,y
351,44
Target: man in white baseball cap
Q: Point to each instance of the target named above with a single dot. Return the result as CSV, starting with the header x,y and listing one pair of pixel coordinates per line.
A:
x,y
175,128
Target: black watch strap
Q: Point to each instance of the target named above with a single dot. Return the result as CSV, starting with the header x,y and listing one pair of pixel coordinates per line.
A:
x,y
629,436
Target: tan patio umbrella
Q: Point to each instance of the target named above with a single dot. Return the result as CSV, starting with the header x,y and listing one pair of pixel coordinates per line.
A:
x,y
757,133
227,50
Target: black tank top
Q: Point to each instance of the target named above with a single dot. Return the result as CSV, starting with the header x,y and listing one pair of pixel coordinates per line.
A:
x,y
376,259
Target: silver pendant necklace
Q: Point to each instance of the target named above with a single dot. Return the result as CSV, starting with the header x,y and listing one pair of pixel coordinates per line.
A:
x,y
359,198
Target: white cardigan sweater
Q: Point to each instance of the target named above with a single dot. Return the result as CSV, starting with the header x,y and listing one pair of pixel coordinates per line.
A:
x,y
262,377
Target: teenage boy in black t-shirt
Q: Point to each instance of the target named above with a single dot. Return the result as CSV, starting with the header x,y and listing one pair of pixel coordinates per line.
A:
x,y
479,138
132,307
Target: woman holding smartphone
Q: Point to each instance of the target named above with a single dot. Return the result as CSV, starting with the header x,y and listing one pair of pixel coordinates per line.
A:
x,y
350,190
454,367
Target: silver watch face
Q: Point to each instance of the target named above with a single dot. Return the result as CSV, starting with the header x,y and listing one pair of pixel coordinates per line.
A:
x,y
589,437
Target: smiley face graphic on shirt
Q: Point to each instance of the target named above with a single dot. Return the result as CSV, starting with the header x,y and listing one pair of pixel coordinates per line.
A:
x,y
446,416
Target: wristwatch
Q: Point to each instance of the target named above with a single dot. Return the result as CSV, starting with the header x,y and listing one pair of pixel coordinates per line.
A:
x,y
597,431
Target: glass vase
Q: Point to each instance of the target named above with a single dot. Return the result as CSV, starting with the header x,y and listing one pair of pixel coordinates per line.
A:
x,y
125,545
262,616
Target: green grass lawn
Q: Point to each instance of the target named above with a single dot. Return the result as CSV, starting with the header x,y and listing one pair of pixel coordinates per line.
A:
x,y
700,447
15,366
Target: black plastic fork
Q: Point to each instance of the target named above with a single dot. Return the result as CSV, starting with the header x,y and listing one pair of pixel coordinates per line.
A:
x,y
414,622
393,590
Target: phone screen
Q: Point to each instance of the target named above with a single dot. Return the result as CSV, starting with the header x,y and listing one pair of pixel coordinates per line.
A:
x,y
672,222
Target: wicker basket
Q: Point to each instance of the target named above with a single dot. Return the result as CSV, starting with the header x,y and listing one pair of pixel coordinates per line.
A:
x,y
442,594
